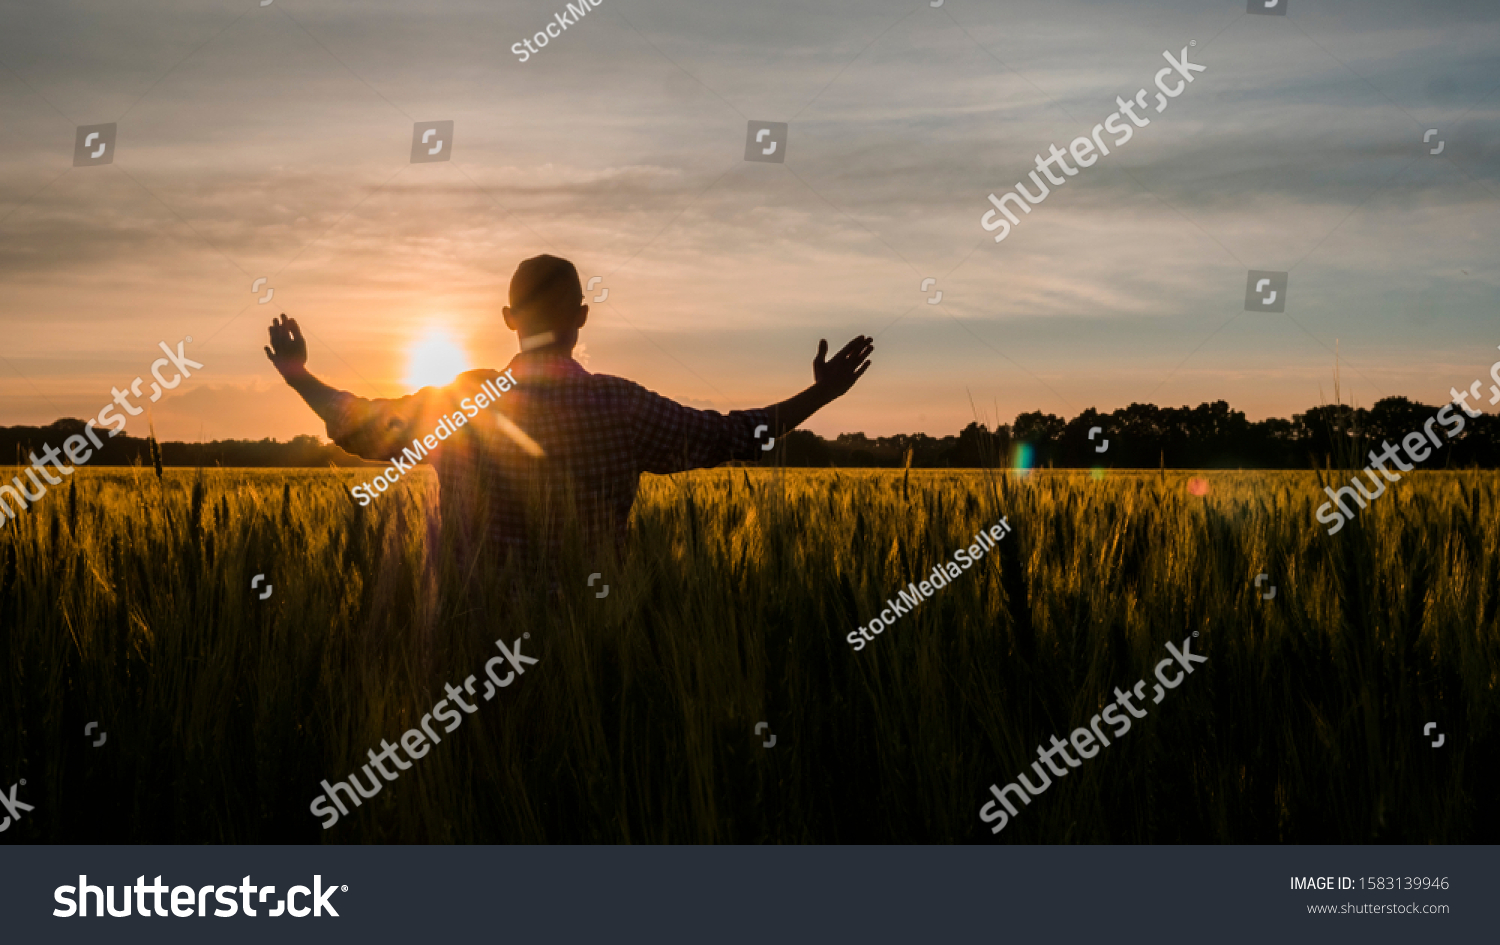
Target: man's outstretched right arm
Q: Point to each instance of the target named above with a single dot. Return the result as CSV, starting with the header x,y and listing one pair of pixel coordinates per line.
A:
x,y
373,429
288,353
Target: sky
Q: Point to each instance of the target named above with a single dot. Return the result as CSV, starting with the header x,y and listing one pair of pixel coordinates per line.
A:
x,y
275,142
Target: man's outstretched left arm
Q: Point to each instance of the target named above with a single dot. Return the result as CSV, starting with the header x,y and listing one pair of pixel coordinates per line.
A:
x,y
673,438
831,380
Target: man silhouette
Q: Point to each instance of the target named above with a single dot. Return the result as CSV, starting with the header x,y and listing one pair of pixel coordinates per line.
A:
x,y
560,432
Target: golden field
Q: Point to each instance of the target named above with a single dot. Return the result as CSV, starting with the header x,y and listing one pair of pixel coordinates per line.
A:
x,y
126,600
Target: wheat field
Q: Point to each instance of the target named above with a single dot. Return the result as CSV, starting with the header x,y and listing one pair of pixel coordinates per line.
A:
x,y
126,599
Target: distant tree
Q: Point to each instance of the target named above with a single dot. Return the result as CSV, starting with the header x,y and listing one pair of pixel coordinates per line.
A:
x,y
977,447
1274,445
801,448
1332,433
1037,427
1392,418
1076,449
1211,435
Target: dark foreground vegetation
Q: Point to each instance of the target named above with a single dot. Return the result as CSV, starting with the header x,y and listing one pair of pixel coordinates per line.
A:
x,y
126,599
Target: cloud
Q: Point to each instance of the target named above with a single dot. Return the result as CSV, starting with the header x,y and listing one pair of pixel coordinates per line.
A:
x,y
275,143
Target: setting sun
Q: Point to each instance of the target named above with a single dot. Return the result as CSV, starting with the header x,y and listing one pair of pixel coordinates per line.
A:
x,y
435,360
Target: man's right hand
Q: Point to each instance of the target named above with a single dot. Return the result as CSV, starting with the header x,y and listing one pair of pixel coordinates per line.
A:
x,y
288,349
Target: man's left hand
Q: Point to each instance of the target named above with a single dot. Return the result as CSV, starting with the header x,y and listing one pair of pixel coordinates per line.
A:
x,y
834,378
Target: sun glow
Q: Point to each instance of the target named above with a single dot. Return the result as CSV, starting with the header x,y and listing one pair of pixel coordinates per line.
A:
x,y
436,359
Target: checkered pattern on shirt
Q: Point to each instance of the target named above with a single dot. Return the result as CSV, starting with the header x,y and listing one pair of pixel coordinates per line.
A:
x,y
598,433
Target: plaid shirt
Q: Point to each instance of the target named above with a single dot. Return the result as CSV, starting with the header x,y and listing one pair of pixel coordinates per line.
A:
x,y
597,434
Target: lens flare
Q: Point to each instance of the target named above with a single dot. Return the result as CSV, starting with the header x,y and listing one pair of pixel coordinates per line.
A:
x,y
1022,457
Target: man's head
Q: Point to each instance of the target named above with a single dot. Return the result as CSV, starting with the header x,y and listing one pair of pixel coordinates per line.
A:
x,y
546,296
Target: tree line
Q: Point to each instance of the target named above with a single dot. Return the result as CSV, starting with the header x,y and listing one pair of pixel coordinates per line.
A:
x,y
17,443
1209,436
